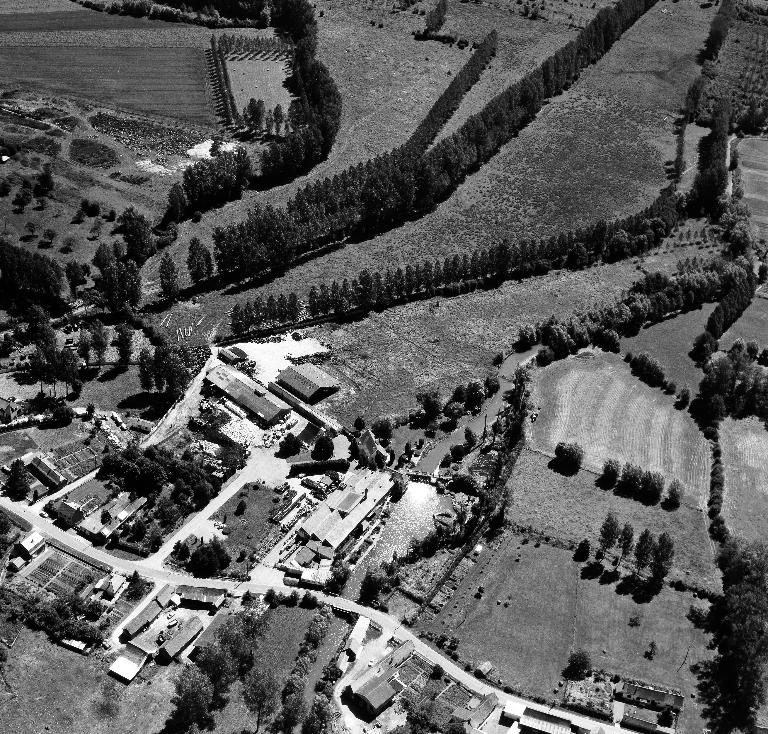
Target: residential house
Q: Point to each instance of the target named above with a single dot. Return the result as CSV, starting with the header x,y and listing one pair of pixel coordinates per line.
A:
x,y
475,716
369,450
10,409
201,596
31,546
70,513
636,717
308,382
641,694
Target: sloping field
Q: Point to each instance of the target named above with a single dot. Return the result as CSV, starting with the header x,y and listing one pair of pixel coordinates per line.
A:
x,y
745,455
669,342
574,507
385,359
594,400
162,81
752,325
537,608
77,19
597,151
9,7
753,160
522,45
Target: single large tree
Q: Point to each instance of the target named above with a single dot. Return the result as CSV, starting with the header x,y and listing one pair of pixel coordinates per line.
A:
x,y
17,485
193,698
260,691
661,557
215,663
644,550
146,369
124,343
199,261
169,278
609,532
100,340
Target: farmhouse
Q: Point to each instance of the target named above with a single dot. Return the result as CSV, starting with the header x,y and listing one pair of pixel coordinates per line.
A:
x,y
70,513
173,647
645,695
376,689
248,394
200,596
44,469
308,382
369,449
475,716
10,409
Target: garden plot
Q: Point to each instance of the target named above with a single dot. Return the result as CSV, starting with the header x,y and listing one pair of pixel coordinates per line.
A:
x,y
594,400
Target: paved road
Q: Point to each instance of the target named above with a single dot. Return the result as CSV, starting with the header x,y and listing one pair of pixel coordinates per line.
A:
x,y
263,579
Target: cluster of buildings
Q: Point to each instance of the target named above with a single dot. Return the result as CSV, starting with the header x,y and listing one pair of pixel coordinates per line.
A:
x,y
297,387
165,627
96,521
334,524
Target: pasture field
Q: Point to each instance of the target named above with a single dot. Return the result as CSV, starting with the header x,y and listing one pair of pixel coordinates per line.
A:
x,y
10,7
537,608
66,692
596,151
752,325
522,44
745,456
159,81
594,400
739,71
669,342
259,78
753,161
383,360
76,19
574,507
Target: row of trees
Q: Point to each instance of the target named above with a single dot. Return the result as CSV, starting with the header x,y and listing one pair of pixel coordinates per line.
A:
x,y
455,274
28,277
223,83
653,554
167,368
317,93
648,300
257,118
383,192
712,175
645,486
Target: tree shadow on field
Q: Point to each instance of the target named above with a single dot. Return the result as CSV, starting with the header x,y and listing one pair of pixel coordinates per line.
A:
x,y
609,576
562,468
111,373
592,571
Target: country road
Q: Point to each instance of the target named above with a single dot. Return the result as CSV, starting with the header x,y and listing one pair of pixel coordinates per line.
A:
x,y
263,579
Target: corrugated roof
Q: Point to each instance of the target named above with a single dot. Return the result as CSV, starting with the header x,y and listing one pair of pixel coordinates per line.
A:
x,y
191,629
146,616
306,380
543,722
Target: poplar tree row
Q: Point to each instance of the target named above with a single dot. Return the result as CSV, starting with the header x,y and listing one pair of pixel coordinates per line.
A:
x,y
382,193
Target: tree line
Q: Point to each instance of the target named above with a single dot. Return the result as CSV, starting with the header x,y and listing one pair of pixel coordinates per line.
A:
x,y
456,274
382,193
643,485
224,83
221,14
712,174
648,300
29,277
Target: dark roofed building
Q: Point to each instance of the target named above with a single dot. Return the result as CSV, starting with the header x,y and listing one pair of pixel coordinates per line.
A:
x,y
308,382
176,645
544,723
636,717
309,433
476,716
646,695
202,596
44,469
232,355
143,619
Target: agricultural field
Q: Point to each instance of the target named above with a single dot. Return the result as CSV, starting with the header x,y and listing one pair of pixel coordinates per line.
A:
x,y
669,343
383,360
597,151
739,72
752,325
260,78
594,400
536,608
69,693
753,162
158,81
573,507
745,451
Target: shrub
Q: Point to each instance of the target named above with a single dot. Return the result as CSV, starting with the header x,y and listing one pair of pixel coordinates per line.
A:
x,y
675,494
579,665
611,471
